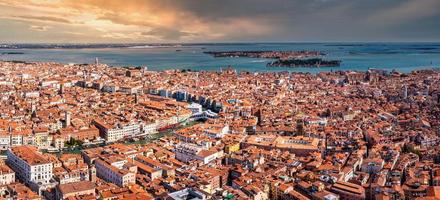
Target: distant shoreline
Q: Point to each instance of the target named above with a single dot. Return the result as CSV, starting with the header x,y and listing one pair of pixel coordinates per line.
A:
x,y
180,45
291,59
11,53
314,62
433,68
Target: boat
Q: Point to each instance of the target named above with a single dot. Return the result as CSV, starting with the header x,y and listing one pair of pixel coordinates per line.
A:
x,y
53,150
168,127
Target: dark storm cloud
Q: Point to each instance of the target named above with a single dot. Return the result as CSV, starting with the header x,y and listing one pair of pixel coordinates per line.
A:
x,y
325,19
285,20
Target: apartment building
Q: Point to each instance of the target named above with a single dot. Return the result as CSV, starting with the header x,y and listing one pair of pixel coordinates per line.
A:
x,y
149,128
187,152
118,131
5,140
348,190
31,167
76,189
216,131
195,108
116,170
7,175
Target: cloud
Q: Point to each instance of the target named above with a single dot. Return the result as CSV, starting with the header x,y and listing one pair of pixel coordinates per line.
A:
x,y
124,19
167,34
42,18
226,20
406,12
39,28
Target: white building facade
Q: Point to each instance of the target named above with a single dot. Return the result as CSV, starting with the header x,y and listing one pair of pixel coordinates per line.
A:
x,y
31,167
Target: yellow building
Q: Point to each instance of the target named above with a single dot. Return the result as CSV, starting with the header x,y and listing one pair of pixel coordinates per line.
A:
x,y
232,147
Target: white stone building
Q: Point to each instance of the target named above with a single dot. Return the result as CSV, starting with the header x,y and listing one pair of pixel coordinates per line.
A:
x,y
31,167
117,171
7,175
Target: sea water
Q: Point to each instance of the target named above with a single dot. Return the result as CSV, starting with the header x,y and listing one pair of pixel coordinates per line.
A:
x,y
403,57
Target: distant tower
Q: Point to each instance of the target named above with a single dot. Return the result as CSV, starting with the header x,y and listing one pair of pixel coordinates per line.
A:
x,y
325,145
61,91
405,92
33,107
427,91
136,98
197,79
438,98
96,61
92,174
300,127
33,110
67,118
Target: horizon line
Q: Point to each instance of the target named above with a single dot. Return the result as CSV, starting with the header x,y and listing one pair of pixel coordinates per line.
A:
x,y
223,42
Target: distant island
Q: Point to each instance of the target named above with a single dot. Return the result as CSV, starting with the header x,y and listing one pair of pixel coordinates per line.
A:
x,y
12,53
314,62
283,58
266,54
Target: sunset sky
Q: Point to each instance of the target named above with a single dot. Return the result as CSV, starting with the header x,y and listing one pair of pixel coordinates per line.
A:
x,y
150,21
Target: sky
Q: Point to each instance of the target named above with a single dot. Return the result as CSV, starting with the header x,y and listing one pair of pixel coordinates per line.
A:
x,y
169,21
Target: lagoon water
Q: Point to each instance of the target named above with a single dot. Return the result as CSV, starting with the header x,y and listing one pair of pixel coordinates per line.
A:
x,y
403,57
